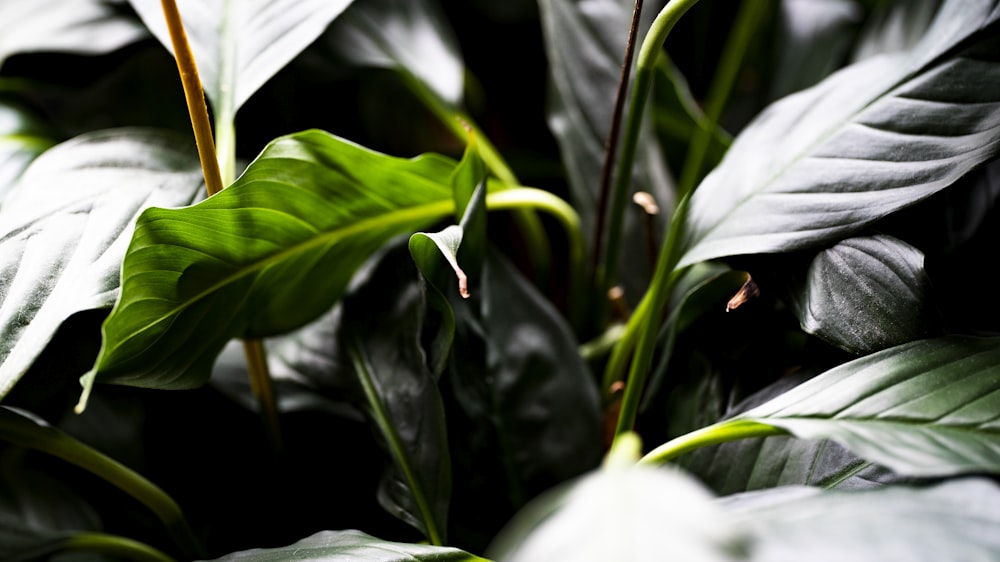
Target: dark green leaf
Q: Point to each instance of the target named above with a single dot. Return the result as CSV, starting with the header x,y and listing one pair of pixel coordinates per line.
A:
x,y
927,408
623,514
865,294
265,256
64,230
77,26
381,336
954,521
410,36
349,546
874,138
240,45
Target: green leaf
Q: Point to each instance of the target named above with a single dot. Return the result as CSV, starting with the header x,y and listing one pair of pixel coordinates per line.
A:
x,y
585,45
627,513
895,26
865,294
77,26
873,138
380,334
350,546
410,36
240,45
64,230
926,408
264,256
23,136
956,520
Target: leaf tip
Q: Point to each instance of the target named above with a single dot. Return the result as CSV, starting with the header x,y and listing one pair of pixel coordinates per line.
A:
x,y
748,291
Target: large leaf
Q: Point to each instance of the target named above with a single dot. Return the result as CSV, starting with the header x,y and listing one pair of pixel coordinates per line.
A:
x,y
873,138
64,230
349,546
77,26
954,521
585,44
410,36
927,408
240,45
865,294
264,256
633,513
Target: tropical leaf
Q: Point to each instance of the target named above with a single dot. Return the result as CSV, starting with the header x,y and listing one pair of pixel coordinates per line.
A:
x,y
64,230
871,139
955,520
409,36
75,26
240,45
349,546
894,26
926,408
865,294
265,256
623,513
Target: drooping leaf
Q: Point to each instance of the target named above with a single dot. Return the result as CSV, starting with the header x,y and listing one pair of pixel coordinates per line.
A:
x,y
585,44
865,294
955,520
871,139
380,334
240,45
75,26
23,136
349,546
264,256
410,36
64,230
926,408
623,514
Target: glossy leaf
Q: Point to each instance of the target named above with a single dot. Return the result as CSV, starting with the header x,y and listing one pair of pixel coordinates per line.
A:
x,y
623,514
64,230
264,256
350,546
74,26
927,408
865,294
23,136
380,334
239,46
585,44
873,138
895,26
410,36
951,521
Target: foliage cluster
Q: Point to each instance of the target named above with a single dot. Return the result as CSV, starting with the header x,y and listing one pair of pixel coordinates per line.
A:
x,y
435,283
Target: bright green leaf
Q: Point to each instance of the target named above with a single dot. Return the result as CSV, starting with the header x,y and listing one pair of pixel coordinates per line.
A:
x,y
871,139
264,256
64,230
349,546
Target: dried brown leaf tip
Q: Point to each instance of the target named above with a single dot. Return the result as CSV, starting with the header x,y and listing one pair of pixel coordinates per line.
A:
x,y
748,291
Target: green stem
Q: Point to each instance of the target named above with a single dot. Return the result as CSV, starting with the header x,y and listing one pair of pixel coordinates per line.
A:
x,y
645,68
99,543
750,16
536,241
395,445
25,432
722,432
